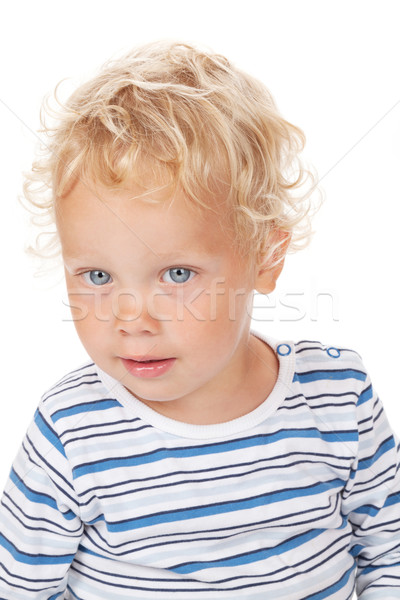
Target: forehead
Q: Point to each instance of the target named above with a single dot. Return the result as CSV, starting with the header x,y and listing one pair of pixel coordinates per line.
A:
x,y
92,216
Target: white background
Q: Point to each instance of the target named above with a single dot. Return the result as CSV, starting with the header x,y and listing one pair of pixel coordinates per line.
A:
x,y
333,69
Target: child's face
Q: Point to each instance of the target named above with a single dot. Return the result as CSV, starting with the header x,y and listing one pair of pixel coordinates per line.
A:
x,y
157,281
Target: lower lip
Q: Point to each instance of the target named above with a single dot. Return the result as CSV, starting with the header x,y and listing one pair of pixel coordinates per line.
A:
x,y
148,370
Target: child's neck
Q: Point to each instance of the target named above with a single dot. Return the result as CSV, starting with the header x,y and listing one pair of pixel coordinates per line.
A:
x,y
253,388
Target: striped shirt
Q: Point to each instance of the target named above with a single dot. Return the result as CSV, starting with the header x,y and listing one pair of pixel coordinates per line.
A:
x,y
299,499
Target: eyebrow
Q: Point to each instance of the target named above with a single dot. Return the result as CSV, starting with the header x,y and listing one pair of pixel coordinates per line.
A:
x,y
184,253
171,256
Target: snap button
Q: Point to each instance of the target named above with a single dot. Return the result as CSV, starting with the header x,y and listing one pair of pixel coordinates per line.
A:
x,y
283,349
333,352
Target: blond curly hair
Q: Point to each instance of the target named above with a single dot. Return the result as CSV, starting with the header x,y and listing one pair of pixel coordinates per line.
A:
x,y
191,114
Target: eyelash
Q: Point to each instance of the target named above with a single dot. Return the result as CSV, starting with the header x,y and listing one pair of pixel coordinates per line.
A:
x,y
87,276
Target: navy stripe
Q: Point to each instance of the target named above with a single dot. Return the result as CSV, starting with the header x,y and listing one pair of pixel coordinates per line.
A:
x,y
193,538
250,557
46,464
208,449
137,489
73,379
332,589
192,535
37,497
71,387
386,446
73,373
106,434
318,456
53,526
245,577
112,423
373,568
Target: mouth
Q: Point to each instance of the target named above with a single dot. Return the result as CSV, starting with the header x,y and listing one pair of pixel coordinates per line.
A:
x,y
145,359
148,367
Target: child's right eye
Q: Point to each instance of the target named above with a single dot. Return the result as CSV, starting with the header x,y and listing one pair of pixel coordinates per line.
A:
x,y
96,277
178,275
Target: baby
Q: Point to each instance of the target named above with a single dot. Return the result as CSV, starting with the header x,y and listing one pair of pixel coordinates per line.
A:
x,y
191,457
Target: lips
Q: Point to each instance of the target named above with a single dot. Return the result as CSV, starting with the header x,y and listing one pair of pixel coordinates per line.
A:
x,y
145,358
149,367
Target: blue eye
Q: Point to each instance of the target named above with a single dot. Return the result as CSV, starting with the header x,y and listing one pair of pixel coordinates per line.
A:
x,y
96,277
178,275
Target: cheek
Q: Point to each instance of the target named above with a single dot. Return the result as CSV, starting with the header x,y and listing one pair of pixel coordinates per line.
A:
x,y
88,315
80,310
87,330
214,315
85,303
230,305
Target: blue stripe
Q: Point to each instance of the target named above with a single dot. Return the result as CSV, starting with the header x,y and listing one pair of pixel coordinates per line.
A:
x,y
221,507
48,433
356,550
208,449
365,396
333,374
249,557
375,567
332,589
92,552
386,446
84,407
370,509
37,497
34,559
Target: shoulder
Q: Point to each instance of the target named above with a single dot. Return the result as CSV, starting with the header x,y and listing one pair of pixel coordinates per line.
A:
x,y
85,375
311,363
315,367
327,369
79,392
311,369
309,353
331,383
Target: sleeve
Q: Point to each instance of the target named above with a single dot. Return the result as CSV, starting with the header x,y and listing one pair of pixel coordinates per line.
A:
x,y
371,502
40,527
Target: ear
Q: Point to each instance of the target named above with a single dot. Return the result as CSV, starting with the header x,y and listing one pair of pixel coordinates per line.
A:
x,y
267,275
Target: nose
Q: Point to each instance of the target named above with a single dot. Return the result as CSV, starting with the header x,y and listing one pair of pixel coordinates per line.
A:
x,y
131,313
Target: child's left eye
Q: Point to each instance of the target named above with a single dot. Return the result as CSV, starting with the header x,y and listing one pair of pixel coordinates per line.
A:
x,y
178,275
